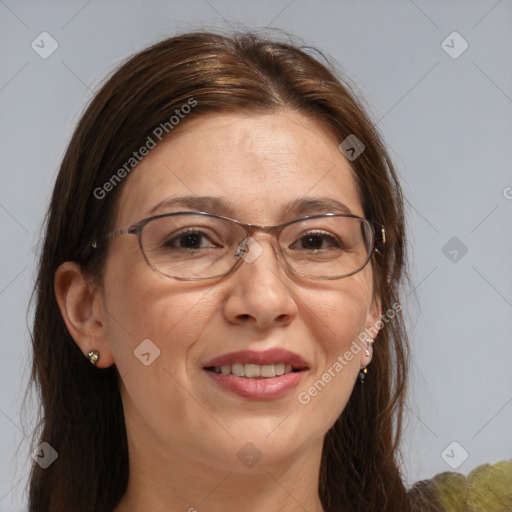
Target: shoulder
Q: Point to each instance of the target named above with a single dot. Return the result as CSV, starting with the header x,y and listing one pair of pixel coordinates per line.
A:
x,y
488,488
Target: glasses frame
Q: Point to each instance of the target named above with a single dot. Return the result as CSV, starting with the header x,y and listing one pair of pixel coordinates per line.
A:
x,y
378,239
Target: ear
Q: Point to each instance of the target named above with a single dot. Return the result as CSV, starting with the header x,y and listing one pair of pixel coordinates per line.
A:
x,y
373,325
81,306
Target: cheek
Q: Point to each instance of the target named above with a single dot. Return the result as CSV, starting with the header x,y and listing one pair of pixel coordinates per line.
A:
x,y
143,305
340,330
342,312
152,330
340,319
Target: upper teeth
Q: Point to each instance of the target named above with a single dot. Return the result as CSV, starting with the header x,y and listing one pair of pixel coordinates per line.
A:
x,y
254,370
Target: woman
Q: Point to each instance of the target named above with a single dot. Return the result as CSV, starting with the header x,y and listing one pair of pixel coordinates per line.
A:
x,y
190,358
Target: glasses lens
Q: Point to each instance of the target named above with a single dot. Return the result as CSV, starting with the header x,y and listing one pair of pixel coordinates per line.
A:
x,y
191,246
327,247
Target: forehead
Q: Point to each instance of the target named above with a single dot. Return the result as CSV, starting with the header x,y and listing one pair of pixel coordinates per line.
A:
x,y
259,165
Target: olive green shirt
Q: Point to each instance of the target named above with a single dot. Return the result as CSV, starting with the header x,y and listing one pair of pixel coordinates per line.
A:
x,y
486,489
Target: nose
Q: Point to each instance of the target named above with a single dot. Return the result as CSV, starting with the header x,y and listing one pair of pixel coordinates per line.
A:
x,y
260,292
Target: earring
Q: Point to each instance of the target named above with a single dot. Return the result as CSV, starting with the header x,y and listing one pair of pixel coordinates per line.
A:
x,y
369,354
93,357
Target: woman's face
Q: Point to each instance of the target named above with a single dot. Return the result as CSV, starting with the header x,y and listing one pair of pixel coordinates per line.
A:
x,y
174,407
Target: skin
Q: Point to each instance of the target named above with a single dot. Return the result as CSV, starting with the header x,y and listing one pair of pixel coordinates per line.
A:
x,y
184,432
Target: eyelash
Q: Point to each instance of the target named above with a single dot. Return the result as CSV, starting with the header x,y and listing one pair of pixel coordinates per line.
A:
x,y
202,234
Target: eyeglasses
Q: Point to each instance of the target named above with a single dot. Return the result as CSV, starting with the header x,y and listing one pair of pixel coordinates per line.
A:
x,y
192,246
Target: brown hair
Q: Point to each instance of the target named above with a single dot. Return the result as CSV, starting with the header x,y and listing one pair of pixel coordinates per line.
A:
x,y
81,414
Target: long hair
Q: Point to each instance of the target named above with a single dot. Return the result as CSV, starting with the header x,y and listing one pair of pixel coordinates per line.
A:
x,y
81,414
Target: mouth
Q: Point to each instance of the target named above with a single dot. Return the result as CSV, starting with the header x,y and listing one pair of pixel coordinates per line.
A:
x,y
257,375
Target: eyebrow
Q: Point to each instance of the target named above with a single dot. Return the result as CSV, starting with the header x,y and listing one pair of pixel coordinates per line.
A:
x,y
224,207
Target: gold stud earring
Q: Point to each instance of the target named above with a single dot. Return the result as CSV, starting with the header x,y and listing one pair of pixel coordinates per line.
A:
x,y
93,357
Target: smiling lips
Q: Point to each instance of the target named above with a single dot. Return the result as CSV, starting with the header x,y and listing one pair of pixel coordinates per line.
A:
x,y
252,363
258,375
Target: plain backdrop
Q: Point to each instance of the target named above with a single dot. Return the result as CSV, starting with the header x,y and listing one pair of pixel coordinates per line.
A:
x,y
438,82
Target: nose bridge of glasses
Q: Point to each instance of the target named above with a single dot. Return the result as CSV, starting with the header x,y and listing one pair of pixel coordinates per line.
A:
x,y
256,237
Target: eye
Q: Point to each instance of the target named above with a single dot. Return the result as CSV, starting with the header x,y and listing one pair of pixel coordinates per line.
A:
x,y
189,239
314,240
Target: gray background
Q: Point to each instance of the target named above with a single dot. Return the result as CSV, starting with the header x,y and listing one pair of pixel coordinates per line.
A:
x,y
447,122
